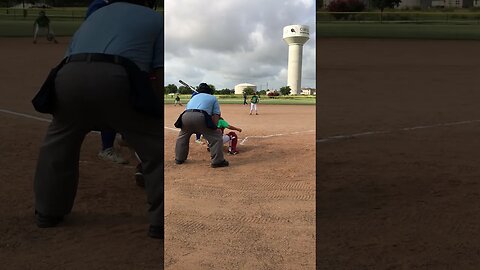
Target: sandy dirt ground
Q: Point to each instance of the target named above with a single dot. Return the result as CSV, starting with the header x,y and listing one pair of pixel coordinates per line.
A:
x,y
404,192
259,213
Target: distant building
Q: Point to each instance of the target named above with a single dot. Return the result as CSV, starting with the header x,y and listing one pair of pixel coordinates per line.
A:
x,y
309,91
453,3
438,3
239,88
327,2
416,3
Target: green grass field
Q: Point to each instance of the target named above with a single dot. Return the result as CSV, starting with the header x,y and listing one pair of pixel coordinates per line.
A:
x,y
24,28
398,30
238,99
64,21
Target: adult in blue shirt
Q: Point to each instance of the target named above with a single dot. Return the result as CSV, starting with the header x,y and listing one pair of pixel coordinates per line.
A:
x,y
93,90
201,116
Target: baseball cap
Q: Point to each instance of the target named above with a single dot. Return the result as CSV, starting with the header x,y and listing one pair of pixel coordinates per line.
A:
x,y
204,88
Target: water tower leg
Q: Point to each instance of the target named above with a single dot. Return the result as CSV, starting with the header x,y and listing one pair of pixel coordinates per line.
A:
x,y
295,52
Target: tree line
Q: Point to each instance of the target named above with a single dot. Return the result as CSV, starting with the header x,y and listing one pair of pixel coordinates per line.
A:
x,y
54,3
173,89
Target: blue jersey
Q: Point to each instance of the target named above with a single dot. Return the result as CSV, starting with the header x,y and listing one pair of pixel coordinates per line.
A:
x,y
206,102
138,38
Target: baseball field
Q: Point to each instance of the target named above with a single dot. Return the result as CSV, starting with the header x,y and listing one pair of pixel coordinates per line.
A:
x,y
259,213
397,170
398,123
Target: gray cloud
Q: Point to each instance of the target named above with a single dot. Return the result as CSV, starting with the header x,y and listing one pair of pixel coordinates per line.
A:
x,y
234,41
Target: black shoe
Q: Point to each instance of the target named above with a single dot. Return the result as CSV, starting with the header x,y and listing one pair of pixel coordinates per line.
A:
x,y
44,221
179,161
156,232
224,163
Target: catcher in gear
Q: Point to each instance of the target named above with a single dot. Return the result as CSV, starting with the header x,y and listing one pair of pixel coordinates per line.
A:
x,y
231,138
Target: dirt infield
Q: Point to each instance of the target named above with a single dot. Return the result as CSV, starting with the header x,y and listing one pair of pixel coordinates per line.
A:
x,y
403,193
256,214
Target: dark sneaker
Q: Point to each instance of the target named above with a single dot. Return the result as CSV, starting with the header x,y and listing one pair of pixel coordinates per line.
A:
x,y
224,163
156,232
179,161
44,221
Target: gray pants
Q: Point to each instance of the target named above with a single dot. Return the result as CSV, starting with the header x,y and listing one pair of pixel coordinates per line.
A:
x,y
194,122
95,95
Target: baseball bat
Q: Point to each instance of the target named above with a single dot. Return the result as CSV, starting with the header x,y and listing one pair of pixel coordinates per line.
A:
x,y
187,85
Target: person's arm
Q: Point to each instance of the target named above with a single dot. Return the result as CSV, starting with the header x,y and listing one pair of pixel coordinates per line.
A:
x,y
157,81
158,61
234,128
215,118
216,112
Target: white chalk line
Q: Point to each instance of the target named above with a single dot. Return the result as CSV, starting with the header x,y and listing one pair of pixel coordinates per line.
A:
x,y
50,120
26,115
274,135
168,128
350,136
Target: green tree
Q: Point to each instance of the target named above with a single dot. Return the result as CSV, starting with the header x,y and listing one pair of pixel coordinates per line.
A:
x,y
285,90
224,91
213,88
171,88
249,91
262,92
383,4
319,4
184,90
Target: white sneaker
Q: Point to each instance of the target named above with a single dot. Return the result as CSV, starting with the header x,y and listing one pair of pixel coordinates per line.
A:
x,y
110,155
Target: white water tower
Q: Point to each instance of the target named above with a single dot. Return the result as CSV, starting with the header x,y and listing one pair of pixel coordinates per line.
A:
x,y
295,36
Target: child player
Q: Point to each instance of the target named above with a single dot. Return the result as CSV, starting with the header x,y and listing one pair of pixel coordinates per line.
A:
x,y
230,137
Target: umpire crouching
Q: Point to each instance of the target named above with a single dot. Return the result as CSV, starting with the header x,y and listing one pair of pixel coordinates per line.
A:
x,y
201,116
105,82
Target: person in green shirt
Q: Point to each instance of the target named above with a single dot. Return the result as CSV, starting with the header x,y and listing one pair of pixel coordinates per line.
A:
x,y
42,23
253,103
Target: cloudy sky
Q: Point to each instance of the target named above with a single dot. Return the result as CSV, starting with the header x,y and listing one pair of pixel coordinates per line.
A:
x,y
228,42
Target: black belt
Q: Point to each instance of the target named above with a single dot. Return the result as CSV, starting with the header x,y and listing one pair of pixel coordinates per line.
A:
x,y
194,110
96,57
